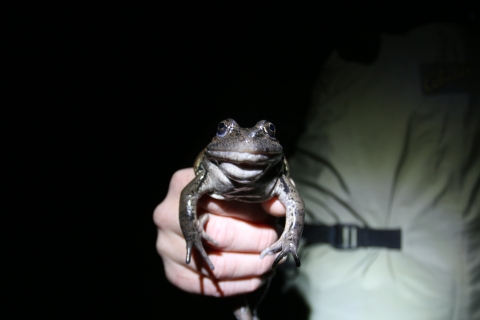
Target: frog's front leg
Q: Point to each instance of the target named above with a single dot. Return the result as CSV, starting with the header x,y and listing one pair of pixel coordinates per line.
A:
x,y
193,228
288,242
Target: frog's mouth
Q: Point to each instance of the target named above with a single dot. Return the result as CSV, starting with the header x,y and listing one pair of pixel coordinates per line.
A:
x,y
247,158
243,166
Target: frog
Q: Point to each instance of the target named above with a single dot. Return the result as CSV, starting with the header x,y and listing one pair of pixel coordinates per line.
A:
x,y
243,164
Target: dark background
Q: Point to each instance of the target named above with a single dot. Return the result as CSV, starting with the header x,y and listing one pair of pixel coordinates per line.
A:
x,y
110,100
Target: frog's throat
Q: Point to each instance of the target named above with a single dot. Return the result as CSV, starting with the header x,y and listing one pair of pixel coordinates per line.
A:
x,y
242,173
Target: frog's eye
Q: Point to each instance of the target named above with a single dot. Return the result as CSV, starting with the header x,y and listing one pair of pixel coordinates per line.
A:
x,y
269,129
221,130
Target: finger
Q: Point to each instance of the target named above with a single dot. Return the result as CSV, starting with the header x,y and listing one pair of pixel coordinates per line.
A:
x,y
234,235
228,265
274,207
240,210
192,282
165,216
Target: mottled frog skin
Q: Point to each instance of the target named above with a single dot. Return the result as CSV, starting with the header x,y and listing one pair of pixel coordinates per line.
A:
x,y
244,164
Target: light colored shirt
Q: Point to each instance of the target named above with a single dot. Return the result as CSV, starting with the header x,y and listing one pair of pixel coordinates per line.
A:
x,y
396,144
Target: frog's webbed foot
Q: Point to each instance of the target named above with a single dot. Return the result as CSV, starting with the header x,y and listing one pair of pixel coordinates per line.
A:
x,y
195,239
284,246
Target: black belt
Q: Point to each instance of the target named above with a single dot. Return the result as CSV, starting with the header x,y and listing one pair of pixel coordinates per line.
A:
x,y
348,236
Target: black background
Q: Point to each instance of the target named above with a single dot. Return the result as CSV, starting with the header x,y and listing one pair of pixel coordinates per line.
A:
x,y
110,100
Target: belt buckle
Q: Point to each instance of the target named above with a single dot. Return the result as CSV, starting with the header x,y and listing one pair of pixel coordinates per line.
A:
x,y
345,236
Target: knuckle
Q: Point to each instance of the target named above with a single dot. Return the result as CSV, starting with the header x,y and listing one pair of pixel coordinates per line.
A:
x,y
180,179
159,214
161,245
165,215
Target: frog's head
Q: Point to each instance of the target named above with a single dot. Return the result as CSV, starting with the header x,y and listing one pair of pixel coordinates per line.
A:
x,y
244,153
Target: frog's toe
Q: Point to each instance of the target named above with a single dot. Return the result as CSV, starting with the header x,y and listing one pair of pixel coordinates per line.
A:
x,y
201,223
188,258
297,259
283,254
201,249
209,239
194,239
284,247
277,246
199,246
279,258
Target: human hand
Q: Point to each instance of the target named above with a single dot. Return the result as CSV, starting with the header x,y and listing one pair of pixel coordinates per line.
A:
x,y
241,229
